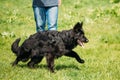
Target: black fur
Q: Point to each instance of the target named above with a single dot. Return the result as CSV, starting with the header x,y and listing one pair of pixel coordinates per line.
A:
x,y
54,45
24,52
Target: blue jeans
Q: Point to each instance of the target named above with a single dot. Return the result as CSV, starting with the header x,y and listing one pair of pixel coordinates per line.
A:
x,y
46,14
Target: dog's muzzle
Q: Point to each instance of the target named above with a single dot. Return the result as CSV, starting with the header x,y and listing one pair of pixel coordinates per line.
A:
x,y
81,43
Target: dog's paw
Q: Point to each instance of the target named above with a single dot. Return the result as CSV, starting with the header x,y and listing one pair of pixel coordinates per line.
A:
x,y
51,70
82,61
13,64
31,65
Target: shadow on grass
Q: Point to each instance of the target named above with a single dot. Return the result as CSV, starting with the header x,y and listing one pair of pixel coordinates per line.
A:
x,y
57,67
71,66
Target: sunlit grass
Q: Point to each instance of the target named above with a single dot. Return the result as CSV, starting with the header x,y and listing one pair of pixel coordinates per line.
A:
x,y
101,54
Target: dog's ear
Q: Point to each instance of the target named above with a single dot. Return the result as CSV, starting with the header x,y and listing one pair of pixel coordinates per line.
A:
x,y
81,24
78,26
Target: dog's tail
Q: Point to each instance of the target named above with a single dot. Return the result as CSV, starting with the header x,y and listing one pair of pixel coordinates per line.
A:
x,y
15,46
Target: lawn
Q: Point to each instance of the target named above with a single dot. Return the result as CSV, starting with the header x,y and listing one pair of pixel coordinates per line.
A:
x,y
101,20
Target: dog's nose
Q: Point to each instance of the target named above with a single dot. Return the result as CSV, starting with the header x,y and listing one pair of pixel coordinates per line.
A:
x,y
87,41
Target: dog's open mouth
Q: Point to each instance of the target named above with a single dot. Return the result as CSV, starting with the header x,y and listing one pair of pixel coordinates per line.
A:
x,y
80,43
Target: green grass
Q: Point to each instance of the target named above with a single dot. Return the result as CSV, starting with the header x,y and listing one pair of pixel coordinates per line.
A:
x,y
102,27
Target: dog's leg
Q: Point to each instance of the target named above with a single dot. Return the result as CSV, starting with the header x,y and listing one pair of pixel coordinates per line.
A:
x,y
35,60
16,61
31,64
50,62
74,55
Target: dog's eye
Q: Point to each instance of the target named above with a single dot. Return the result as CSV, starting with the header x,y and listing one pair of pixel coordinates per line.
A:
x,y
79,30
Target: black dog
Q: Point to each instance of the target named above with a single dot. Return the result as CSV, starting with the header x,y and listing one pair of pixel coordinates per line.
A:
x,y
65,41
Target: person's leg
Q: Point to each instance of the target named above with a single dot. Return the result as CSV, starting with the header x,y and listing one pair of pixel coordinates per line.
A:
x,y
52,17
40,18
